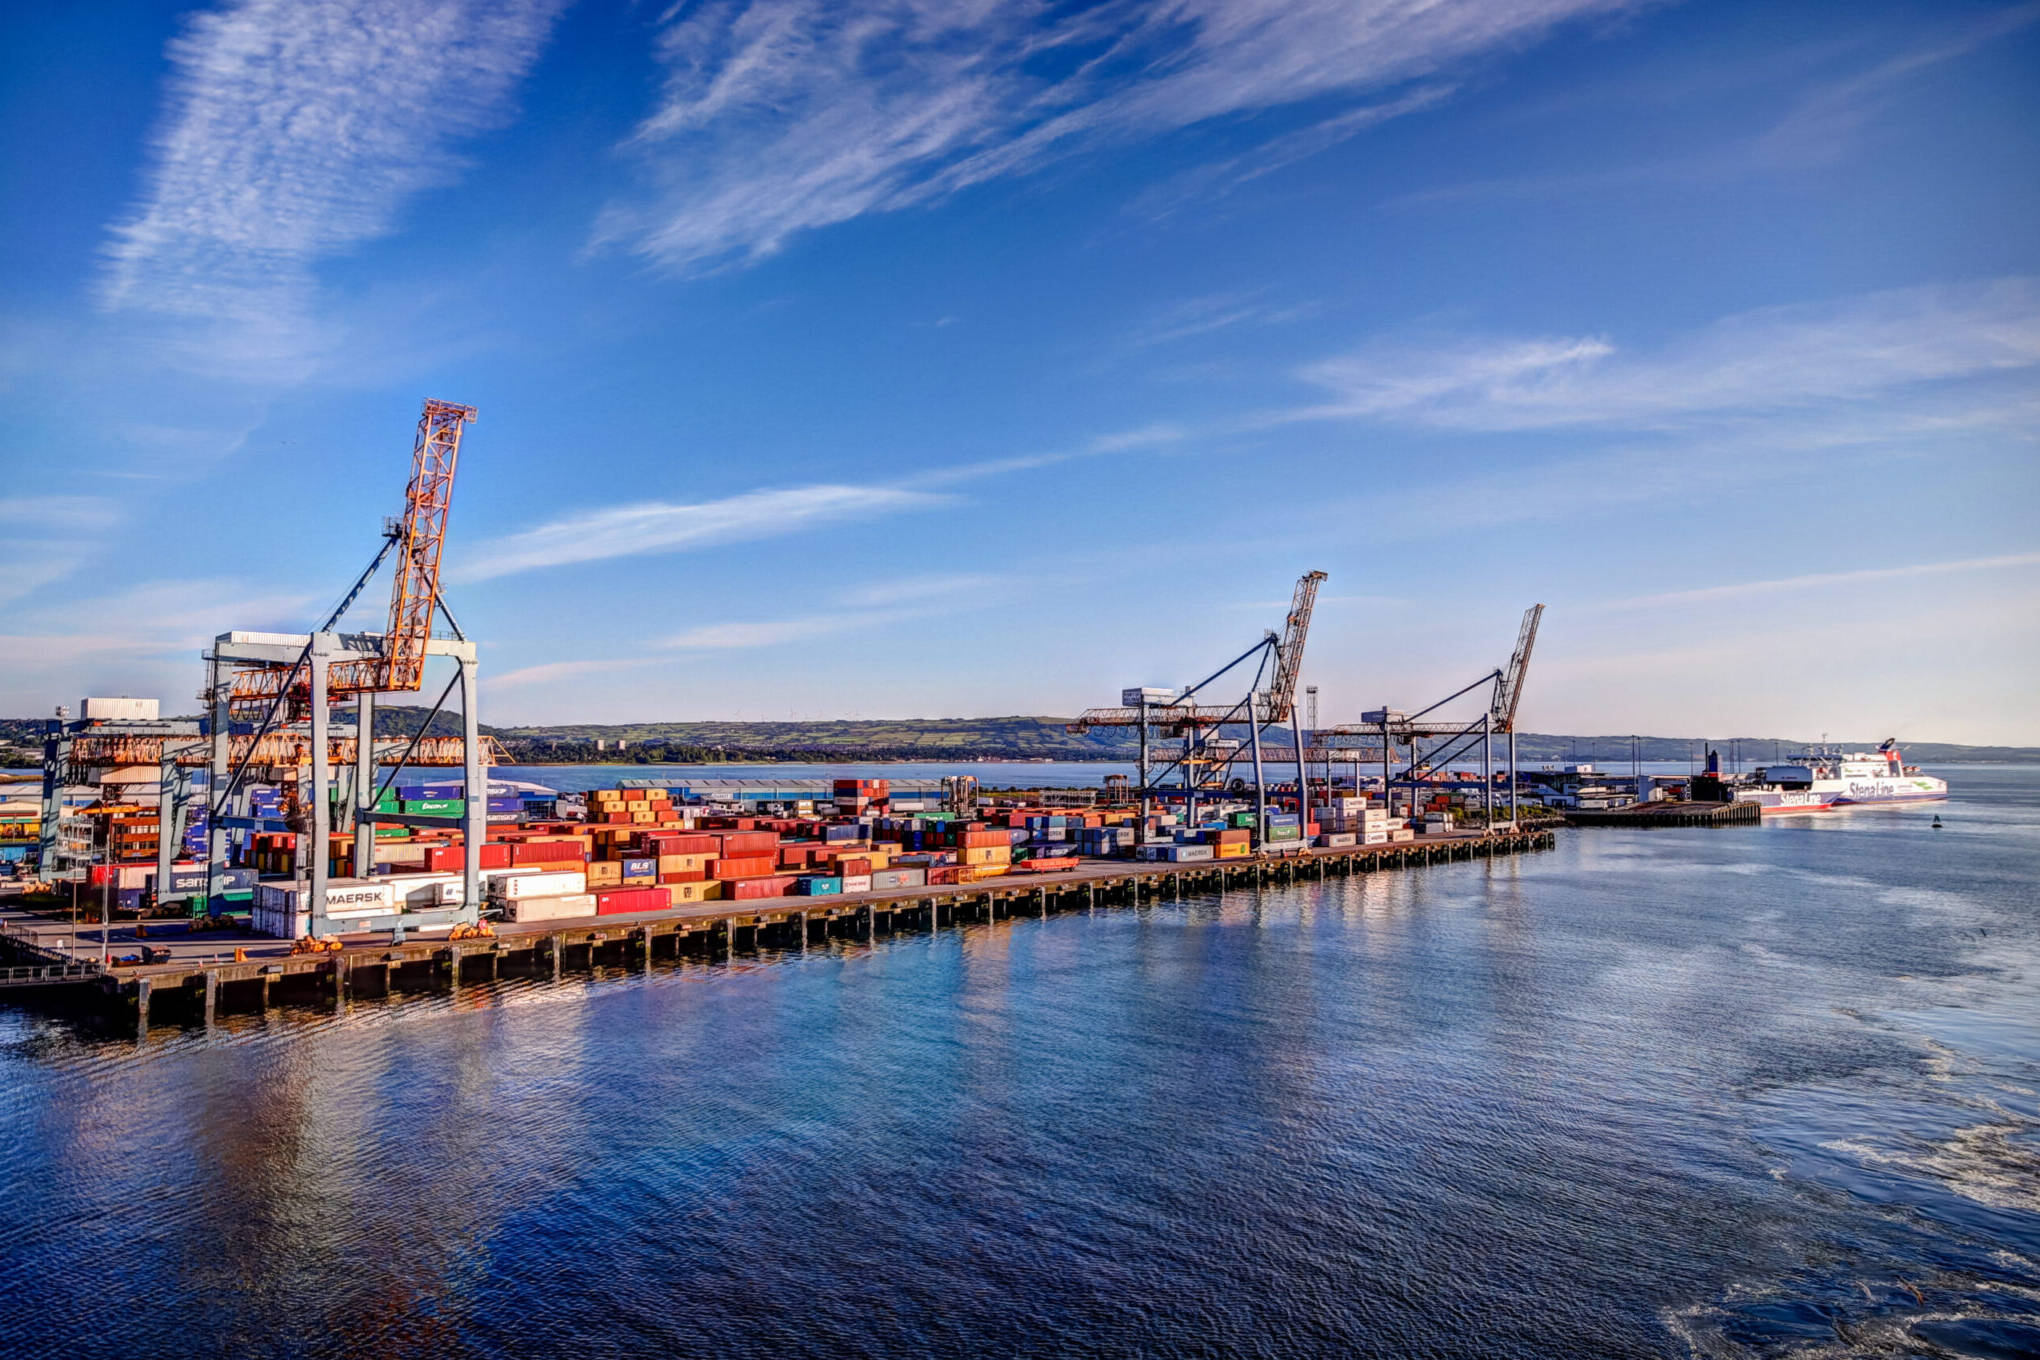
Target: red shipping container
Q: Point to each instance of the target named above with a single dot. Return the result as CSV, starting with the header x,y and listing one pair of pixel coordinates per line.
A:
x,y
684,876
737,844
749,866
766,885
610,901
547,852
850,867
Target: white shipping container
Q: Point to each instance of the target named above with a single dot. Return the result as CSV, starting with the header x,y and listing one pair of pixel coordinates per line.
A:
x,y
345,898
564,907
853,883
119,710
419,892
281,924
1375,838
548,883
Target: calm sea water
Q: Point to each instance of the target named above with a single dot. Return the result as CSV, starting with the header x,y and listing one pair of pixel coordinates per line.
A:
x,y
1741,1092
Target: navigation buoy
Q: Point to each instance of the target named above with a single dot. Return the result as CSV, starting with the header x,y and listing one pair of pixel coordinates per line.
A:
x,y
1937,821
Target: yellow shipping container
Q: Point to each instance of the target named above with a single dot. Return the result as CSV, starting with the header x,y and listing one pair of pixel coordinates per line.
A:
x,y
707,891
1234,851
605,873
684,864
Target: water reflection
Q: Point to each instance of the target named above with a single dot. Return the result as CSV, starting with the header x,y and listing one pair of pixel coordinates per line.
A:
x,y
1759,1092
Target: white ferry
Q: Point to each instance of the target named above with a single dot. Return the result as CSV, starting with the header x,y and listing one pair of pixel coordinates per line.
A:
x,y
1820,780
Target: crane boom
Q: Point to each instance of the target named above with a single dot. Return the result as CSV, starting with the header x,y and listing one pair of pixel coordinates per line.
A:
x,y
1510,692
414,595
1289,651
1270,706
418,538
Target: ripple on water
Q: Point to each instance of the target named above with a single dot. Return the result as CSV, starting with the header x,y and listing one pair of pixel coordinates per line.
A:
x,y
1726,1093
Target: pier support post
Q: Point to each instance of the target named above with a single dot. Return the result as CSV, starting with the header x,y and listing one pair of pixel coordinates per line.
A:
x,y
803,932
558,948
453,967
339,982
266,979
143,986
212,995
648,949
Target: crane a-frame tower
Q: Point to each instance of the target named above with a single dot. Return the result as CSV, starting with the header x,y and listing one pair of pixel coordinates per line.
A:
x,y
1270,701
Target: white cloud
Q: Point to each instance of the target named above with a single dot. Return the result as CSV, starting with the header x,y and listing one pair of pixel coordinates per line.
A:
x,y
297,129
913,589
43,539
1197,316
769,632
659,526
1741,589
781,116
146,637
561,670
1766,362
83,513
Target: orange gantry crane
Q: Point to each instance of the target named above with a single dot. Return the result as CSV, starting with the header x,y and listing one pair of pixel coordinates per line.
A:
x,y
272,694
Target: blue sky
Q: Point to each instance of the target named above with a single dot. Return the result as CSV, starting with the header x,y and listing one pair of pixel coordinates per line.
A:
x,y
922,359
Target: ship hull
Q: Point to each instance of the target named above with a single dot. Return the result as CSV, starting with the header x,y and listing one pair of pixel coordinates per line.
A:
x,y
1839,794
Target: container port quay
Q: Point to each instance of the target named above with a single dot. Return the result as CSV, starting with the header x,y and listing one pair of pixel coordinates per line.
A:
x,y
277,848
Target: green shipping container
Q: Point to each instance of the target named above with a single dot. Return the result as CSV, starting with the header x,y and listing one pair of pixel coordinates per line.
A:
x,y
392,833
436,807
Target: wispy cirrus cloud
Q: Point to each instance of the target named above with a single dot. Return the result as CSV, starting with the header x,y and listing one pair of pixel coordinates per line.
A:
x,y
1736,590
1828,119
782,116
1762,363
43,539
746,634
142,637
661,526
549,671
295,130
1206,315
